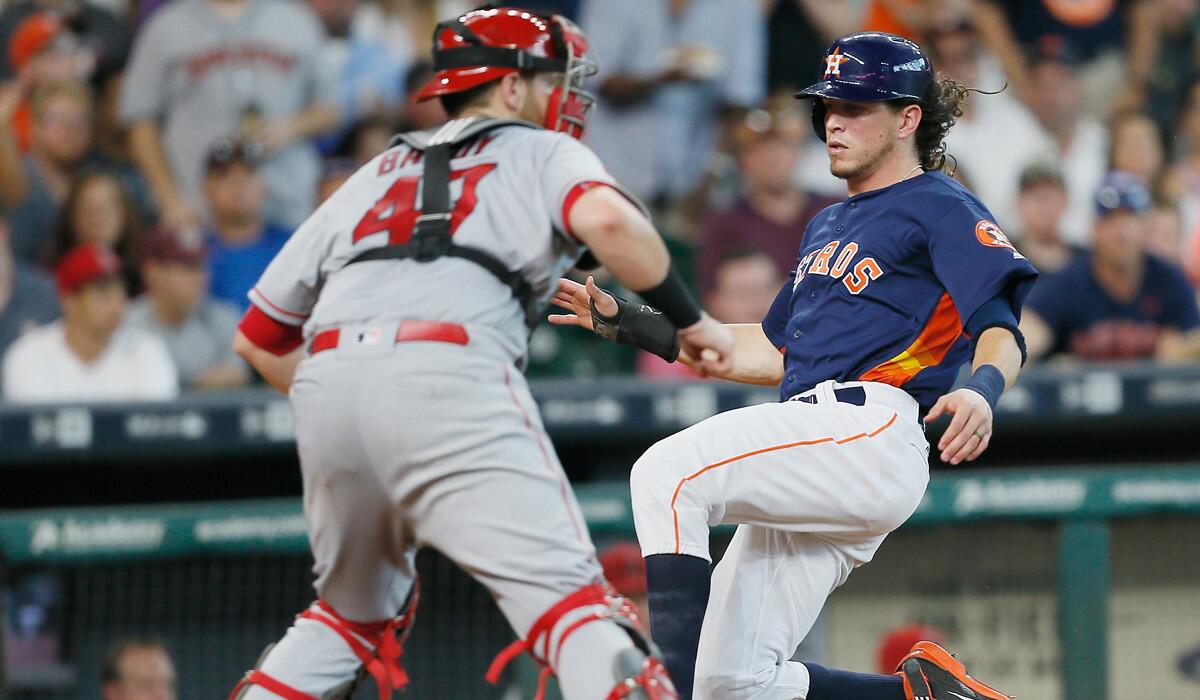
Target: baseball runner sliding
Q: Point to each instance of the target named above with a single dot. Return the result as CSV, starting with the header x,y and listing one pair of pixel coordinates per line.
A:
x,y
894,289
396,318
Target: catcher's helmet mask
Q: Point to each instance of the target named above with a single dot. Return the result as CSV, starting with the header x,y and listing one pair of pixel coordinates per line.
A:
x,y
870,67
569,103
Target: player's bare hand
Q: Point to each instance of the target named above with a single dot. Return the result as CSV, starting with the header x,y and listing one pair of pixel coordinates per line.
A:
x,y
710,344
576,298
970,429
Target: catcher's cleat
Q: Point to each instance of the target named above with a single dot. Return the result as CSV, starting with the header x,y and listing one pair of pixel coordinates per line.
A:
x,y
932,673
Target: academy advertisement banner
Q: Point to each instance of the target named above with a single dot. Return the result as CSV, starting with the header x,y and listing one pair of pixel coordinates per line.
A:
x,y
278,525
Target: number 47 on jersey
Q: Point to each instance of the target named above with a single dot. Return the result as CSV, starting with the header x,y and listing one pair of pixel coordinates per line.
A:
x,y
396,211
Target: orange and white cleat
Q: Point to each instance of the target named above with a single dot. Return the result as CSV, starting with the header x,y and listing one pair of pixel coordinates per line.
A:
x,y
932,673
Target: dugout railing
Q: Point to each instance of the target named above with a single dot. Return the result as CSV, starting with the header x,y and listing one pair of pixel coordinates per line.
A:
x,y
1087,581
1073,409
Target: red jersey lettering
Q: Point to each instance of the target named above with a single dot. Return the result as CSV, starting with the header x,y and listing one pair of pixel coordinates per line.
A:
x,y
396,211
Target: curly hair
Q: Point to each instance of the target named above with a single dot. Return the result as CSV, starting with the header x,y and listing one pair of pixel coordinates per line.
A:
x,y
941,106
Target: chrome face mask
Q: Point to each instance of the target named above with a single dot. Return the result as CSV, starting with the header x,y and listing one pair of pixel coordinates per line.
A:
x,y
570,103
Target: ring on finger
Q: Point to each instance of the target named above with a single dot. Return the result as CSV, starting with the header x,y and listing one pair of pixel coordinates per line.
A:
x,y
979,434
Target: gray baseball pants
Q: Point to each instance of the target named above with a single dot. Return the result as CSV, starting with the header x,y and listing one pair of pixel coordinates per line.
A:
x,y
433,444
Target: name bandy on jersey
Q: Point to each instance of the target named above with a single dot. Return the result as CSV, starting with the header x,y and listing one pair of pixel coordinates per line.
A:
x,y
412,156
396,211
854,278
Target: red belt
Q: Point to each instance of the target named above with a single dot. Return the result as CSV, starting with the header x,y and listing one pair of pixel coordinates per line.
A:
x,y
408,330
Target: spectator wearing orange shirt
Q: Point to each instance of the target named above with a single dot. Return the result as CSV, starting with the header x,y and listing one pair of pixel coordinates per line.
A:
x,y
61,138
912,19
41,51
1117,41
890,15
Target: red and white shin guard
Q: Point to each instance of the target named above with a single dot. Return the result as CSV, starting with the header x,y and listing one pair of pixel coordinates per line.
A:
x,y
646,678
651,682
378,646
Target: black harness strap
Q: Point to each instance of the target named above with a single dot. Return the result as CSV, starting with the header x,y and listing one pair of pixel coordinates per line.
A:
x,y
431,237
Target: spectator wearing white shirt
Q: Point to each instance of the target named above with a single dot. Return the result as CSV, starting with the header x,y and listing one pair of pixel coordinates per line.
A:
x,y
1074,141
996,137
88,356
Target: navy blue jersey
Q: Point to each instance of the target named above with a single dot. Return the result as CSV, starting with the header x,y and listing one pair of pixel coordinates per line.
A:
x,y
1088,26
1087,322
885,282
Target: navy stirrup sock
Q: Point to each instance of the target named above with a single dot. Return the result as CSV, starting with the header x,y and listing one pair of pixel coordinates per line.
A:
x,y
677,587
831,684
678,595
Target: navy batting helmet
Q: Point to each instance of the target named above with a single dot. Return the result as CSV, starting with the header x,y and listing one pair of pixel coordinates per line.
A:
x,y
870,67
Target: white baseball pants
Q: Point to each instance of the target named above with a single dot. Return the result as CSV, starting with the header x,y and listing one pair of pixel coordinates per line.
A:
x,y
813,487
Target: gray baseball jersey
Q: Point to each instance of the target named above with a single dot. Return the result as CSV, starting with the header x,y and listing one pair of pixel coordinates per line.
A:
x,y
206,77
510,189
433,443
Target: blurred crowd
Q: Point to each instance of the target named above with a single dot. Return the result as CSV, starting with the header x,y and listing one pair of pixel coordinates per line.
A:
x,y
158,153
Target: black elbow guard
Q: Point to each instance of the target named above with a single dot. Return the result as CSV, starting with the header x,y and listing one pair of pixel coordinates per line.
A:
x,y
1016,334
1020,338
638,325
996,313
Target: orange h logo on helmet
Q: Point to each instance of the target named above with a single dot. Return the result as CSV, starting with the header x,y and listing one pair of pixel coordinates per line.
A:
x,y
833,63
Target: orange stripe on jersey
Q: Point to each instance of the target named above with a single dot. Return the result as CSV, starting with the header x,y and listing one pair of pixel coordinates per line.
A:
x,y
943,328
765,450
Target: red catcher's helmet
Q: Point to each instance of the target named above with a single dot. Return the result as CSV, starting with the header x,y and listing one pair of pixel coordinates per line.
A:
x,y
488,44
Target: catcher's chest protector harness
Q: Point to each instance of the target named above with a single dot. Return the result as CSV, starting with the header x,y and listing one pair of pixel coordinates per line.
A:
x,y
431,237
